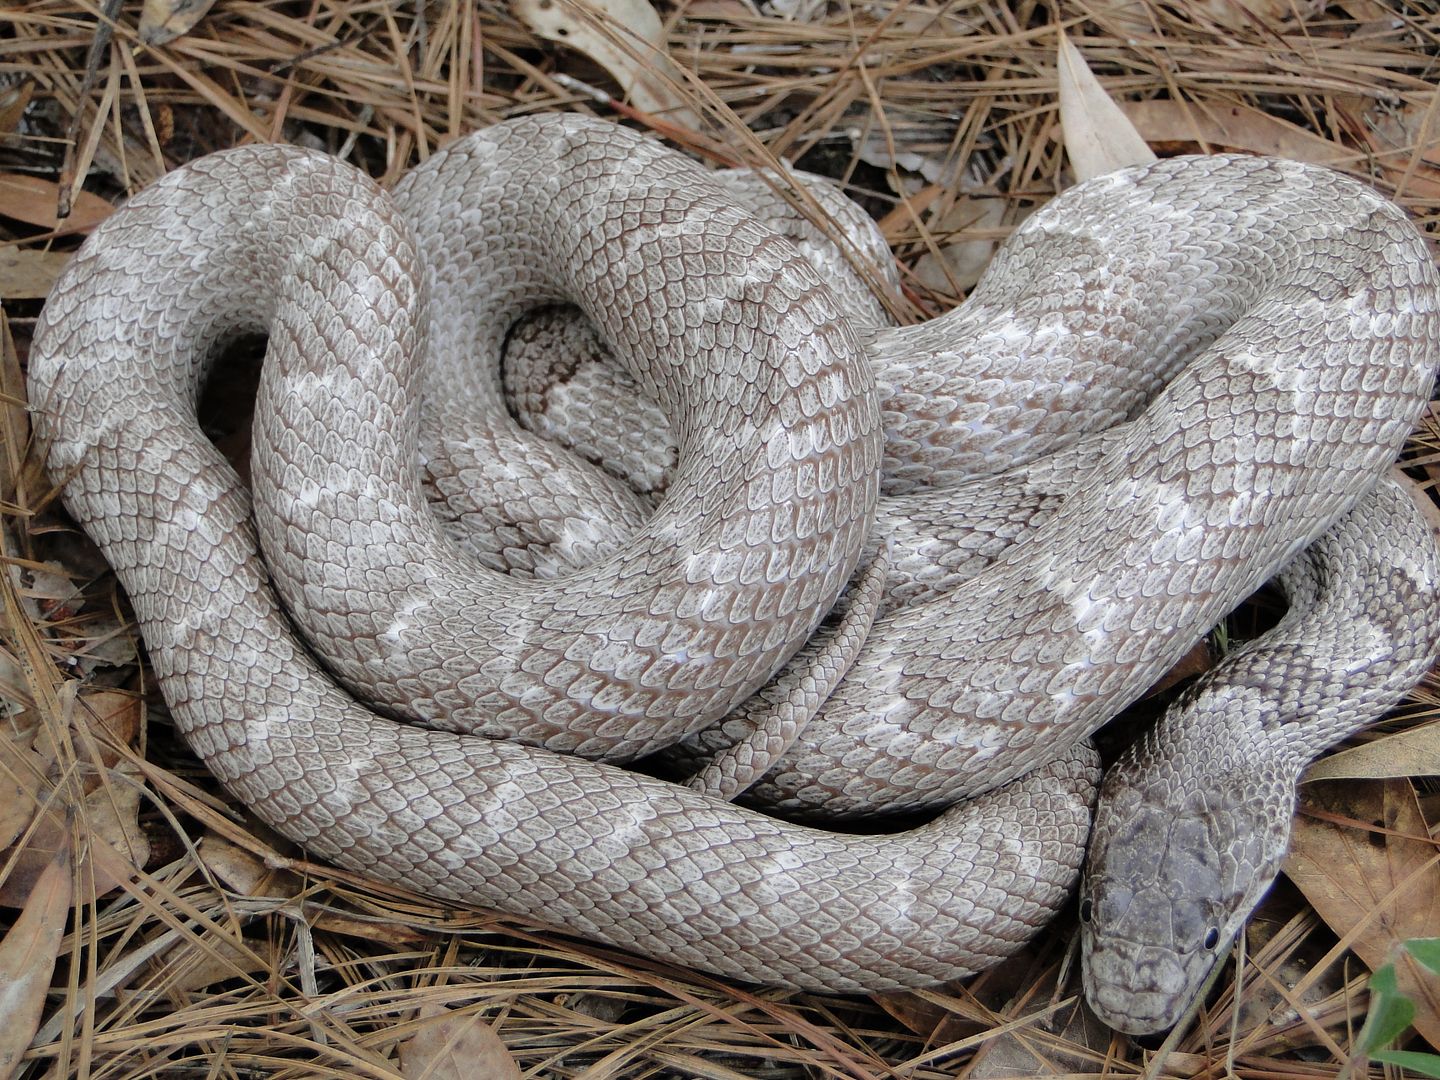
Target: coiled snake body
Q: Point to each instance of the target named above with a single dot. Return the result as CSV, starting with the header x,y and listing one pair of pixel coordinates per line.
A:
x,y
1299,360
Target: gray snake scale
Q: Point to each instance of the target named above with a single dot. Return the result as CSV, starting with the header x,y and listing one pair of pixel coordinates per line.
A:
x,y
1264,334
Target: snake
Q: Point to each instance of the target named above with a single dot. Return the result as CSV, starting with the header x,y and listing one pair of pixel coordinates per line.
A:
x,y
1183,375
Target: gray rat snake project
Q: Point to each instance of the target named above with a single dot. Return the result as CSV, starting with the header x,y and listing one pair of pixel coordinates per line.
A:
x,y
1264,333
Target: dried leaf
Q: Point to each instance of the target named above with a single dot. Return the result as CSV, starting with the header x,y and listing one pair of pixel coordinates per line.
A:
x,y
1230,127
192,966
1415,752
243,871
33,200
958,266
27,960
583,25
163,21
28,273
13,102
247,874
1098,137
1195,662
20,771
455,1046
1131,18
1407,145
1374,889
111,823
928,1014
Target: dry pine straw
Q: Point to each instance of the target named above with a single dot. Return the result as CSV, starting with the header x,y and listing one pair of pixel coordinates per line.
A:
x,y
226,956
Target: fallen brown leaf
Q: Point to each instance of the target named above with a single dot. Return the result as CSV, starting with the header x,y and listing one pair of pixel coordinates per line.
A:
x,y
21,769
1409,753
27,960
930,1015
13,102
1407,145
1370,871
194,966
28,273
1236,127
455,1046
33,200
162,21
111,818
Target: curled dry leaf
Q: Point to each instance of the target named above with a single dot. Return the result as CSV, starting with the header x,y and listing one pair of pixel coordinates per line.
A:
x,y
1098,137
1371,872
455,1046
247,874
243,871
625,37
27,960
162,21
33,200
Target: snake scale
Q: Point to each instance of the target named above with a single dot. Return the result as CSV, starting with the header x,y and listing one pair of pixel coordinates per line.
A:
x,y
1263,334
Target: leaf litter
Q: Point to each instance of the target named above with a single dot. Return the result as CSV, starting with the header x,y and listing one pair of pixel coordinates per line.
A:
x,y
156,929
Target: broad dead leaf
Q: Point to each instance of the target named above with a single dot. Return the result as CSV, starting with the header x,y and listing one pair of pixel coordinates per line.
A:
x,y
163,21
625,37
1406,141
33,200
959,265
27,273
111,810
934,1017
1098,137
1374,889
1134,18
243,871
1234,127
1409,753
247,874
21,769
112,719
13,102
111,818
455,1046
27,960
189,966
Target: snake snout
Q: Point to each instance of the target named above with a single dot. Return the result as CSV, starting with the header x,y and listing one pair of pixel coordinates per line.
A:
x,y
1137,989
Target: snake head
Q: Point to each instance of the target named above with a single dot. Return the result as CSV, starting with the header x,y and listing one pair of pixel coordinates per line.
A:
x,y
1171,876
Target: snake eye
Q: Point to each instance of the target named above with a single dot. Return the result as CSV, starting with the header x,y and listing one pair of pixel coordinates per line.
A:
x,y
1087,909
1212,937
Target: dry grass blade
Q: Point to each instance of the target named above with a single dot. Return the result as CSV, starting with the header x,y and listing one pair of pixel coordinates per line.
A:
x,y
222,952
